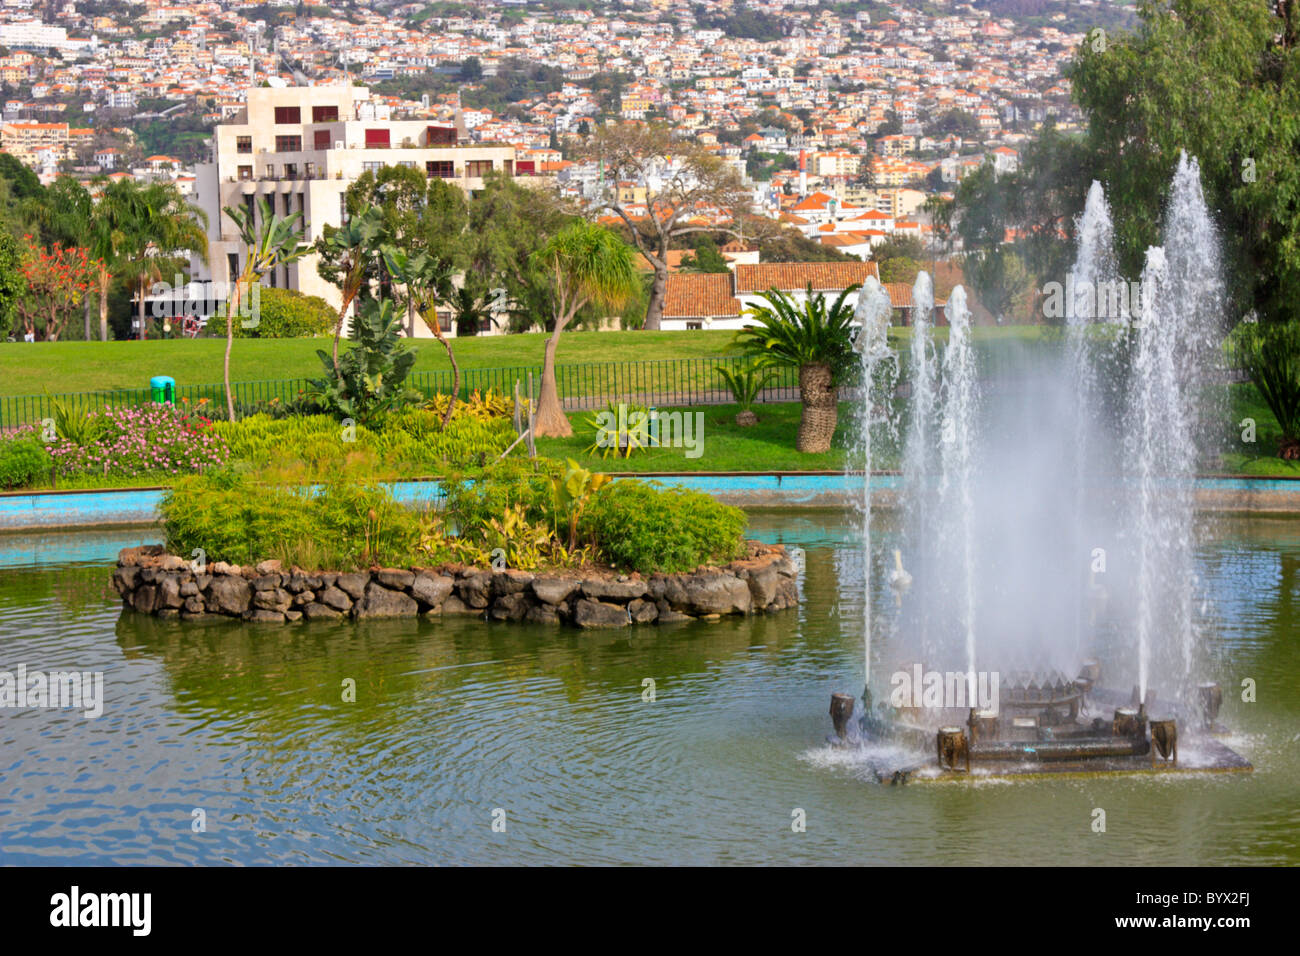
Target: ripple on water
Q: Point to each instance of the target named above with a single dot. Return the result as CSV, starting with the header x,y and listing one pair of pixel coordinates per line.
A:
x,y
456,719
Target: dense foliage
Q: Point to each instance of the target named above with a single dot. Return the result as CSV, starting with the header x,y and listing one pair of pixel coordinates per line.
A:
x,y
645,527
231,516
368,380
282,314
23,461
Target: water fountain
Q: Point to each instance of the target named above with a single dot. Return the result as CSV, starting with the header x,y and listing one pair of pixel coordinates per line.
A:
x,y
879,372
1027,504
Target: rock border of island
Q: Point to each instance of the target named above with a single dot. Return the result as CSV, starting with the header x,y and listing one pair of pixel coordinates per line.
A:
x,y
151,581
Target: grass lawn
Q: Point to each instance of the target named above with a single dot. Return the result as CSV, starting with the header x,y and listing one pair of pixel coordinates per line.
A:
x,y
29,368
1258,458
723,445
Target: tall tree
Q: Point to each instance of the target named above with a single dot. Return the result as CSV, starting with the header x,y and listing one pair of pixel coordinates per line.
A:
x,y
1221,80
675,189
345,254
508,224
269,241
111,222
588,264
161,231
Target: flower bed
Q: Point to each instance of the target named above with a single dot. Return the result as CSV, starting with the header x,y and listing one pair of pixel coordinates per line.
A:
x,y
146,439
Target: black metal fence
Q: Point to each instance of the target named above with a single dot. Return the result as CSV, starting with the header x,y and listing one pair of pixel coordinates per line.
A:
x,y
583,386
661,382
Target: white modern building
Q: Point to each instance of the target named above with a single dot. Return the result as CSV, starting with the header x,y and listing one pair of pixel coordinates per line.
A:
x,y
300,148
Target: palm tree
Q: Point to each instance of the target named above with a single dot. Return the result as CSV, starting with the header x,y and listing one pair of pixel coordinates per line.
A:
x,y
348,249
469,310
427,278
815,340
160,226
110,222
269,240
589,264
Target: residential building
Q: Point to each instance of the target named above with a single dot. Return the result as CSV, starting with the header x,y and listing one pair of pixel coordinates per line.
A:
x,y
299,149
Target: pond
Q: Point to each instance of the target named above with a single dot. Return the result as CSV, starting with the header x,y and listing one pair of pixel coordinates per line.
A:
x,y
458,723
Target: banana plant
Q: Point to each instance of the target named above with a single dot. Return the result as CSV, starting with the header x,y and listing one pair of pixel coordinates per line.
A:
x,y
349,250
573,492
427,279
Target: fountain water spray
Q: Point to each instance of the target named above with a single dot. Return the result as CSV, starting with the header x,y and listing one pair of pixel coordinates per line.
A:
x,y
956,491
923,377
879,371
1090,335
1182,305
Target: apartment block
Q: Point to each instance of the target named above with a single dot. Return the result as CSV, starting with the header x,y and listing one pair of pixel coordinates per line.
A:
x,y
300,148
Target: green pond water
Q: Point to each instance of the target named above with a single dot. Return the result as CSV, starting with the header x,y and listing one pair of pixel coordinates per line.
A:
x,y
457,719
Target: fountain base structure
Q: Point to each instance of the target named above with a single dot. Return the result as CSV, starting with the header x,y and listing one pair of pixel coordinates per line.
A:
x,y
1044,724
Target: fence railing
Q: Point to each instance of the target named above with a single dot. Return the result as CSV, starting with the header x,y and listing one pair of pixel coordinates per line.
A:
x,y
659,382
582,386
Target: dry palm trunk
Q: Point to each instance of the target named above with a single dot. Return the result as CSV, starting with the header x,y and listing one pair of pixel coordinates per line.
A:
x,y
436,328
104,279
551,422
820,409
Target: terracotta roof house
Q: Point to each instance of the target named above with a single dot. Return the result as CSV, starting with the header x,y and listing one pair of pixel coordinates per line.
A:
x,y
698,300
796,276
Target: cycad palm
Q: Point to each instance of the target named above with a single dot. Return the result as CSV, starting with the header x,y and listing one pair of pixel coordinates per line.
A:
x,y
269,241
816,340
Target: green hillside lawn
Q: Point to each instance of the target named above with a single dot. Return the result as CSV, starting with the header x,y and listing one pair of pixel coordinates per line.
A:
x,y
28,368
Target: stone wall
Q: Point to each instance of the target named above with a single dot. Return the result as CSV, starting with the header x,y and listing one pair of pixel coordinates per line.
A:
x,y
154,582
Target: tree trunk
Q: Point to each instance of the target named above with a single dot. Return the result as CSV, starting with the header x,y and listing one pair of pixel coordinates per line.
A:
x,y
86,316
654,312
551,422
232,310
140,309
455,369
104,278
820,409
338,328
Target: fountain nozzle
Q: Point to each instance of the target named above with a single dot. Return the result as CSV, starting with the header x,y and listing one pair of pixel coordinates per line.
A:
x,y
841,711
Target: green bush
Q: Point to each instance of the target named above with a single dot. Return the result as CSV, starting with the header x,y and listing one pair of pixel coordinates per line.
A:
x,y
23,462
340,526
472,503
411,442
643,526
368,381
282,314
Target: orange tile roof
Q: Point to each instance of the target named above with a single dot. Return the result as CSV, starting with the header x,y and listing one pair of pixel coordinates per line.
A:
x,y
699,294
795,276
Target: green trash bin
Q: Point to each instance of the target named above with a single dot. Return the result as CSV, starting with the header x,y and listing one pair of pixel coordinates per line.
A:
x,y
162,389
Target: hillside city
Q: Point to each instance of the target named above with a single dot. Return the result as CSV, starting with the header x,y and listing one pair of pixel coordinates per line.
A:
x,y
840,119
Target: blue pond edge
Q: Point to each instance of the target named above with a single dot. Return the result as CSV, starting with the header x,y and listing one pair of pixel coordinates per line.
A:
x,y
67,510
